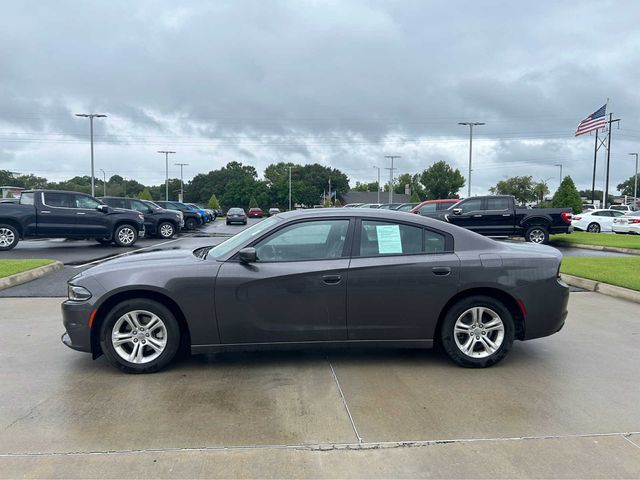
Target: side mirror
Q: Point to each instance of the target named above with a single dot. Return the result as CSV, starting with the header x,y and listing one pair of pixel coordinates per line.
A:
x,y
247,255
103,208
457,211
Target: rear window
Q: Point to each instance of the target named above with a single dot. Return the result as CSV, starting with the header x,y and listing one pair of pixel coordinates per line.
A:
x,y
235,211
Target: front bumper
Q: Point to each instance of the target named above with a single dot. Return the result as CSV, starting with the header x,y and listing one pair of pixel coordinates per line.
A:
x,y
75,318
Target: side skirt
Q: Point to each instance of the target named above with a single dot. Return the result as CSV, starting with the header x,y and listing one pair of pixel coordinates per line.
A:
x,y
337,344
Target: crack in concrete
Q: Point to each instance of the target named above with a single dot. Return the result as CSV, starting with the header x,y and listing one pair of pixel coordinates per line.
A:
x,y
344,402
628,439
321,447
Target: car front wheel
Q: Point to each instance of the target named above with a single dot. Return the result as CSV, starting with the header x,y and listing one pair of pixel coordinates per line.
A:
x,y
140,336
8,237
166,230
191,224
477,332
125,236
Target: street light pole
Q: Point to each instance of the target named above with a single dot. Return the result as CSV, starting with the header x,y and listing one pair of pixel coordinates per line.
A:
x,y
559,165
91,116
378,182
635,182
289,187
470,125
166,178
104,182
181,182
392,157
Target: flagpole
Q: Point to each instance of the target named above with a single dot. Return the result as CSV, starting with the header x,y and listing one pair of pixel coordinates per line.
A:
x,y
593,180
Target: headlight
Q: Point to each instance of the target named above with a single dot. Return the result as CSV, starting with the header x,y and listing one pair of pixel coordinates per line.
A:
x,y
77,293
141,217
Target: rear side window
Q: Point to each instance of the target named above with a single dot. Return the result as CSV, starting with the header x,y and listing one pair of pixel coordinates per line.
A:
x,y
429,207
26,199
386,238
497,204
139,206
59,199
445,205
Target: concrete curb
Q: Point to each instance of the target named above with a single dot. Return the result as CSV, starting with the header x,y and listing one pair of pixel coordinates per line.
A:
x,y
604,288
24,277
630,251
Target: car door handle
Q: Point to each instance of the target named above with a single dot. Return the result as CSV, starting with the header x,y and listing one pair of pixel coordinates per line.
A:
x,y
81,213
506,214
45,211
441,271
331,279
477,216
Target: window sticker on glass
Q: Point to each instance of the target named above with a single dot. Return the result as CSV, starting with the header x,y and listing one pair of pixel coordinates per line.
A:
x,y
389,240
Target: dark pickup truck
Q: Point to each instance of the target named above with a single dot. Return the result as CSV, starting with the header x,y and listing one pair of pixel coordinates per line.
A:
x,y
498,216
59,214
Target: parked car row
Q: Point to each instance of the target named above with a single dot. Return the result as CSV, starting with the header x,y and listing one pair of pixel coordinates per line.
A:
x,y
596,221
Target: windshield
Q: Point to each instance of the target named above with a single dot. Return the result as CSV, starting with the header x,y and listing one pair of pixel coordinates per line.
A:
x,y
244,236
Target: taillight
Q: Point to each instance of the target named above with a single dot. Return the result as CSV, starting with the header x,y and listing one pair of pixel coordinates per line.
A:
x,y
635,220
566,216
580,218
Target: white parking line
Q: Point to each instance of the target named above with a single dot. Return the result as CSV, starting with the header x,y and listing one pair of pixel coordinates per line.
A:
x,y
95,262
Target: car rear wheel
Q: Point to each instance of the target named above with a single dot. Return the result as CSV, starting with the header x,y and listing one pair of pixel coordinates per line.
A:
x,y
190,223
593,227
8,237
477,332
166,230
125,236
140,336
537,234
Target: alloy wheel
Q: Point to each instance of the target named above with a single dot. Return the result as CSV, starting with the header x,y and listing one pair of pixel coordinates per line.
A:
x,y
139,336
126,235
7,237
166,230
479,332
536,236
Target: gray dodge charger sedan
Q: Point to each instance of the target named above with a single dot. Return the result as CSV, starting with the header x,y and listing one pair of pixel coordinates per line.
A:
x,y
325,277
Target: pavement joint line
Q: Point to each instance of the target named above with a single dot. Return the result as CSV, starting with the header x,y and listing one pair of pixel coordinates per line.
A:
x,y
319,446
95,262
344,401
628,439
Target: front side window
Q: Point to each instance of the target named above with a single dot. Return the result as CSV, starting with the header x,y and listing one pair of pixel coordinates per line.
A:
x,y
59,199
384,238
311,240
472,205
82,201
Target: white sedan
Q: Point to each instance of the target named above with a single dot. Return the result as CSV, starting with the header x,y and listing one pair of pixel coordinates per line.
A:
x,y
596,221
629,223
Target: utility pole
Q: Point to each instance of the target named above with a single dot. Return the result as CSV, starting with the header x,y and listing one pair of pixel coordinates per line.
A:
x,y
91,116
104,182
470,125
166,178
559,165
378,182
329,191
635,182
606,181
392,158
289,187
181,182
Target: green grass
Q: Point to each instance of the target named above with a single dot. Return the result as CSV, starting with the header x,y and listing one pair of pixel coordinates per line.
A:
x,y
603,239
621,271
11,267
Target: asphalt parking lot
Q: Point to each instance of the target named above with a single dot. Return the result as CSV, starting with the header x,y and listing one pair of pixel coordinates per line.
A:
x,y
563,406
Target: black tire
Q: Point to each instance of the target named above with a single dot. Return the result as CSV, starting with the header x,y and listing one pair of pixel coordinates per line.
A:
x,y
9,237
190,223
125,235
103,241
448,337
172,330
537,234
166,230
244,223
593,227
228,223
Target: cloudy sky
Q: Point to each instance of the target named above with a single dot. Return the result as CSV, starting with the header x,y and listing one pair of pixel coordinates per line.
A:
x,y
342,83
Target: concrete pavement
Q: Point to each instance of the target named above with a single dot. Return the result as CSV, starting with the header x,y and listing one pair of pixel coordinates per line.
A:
x,y
564,406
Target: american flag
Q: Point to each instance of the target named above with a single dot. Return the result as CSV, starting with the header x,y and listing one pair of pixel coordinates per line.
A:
x,y
593,122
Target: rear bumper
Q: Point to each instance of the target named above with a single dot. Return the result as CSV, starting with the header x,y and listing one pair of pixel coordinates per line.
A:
x,y
565,229
546,307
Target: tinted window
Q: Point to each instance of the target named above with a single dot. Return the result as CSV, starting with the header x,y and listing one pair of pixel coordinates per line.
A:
x,y
139,206
471,205
82,201
312,240
429,207
618,214
384,238
498,204
59,199
445,205
115,202
26,199
235,211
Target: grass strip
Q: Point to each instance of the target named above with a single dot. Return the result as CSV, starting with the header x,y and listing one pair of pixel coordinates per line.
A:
x,y
602,239
620,271
11,267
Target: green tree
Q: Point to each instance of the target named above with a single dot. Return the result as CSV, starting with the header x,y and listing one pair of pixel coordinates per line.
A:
x,y
567,196
626,187
253,203
441,181
203,185
540,189
522,188
145,194
213,202
415,198
407,179
9,194
366,187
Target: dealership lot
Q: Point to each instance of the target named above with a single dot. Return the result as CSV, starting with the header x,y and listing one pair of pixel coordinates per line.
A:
x,y
564,406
